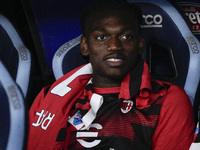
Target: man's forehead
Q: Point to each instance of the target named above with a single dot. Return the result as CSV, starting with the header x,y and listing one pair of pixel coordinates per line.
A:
x,y
111,19
114,28
118,13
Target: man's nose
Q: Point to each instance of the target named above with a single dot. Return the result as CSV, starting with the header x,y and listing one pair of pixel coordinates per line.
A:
x,y
114,44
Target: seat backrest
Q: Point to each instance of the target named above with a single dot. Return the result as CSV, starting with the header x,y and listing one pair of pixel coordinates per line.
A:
x,y
164,24
67,57
14,54
12,113
171,50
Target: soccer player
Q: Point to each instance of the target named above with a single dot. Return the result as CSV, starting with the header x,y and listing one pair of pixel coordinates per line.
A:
x,y
111,102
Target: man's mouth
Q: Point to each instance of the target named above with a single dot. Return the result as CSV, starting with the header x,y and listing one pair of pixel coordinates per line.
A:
x,y
114,62
114,59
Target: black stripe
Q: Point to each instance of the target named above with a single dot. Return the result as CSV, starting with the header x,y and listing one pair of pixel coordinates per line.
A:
x,y
155,86
61,135
83,101
89,87
136,78
197,140
46,90
167,86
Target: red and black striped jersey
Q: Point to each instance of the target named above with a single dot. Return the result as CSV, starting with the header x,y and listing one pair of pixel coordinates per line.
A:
x,y
142,114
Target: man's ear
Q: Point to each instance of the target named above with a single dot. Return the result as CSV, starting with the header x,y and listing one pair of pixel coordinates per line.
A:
x,y
141,45
84,46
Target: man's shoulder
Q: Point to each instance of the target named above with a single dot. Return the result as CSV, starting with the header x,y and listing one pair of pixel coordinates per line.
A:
x,y
174,94
170,86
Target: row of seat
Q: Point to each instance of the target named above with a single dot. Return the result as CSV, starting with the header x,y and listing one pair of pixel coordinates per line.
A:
x,y
15,68
179,63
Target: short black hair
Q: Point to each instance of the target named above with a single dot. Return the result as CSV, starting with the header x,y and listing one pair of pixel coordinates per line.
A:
x,y
103,5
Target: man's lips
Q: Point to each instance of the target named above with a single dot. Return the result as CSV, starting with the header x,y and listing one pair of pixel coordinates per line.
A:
x,y
114,59
114,62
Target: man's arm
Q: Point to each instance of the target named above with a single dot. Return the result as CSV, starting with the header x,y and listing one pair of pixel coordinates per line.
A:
x,y
175,129
33,138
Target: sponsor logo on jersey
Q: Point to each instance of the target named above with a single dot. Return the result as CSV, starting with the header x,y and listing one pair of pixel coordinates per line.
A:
x,y
126,106
192,11
89,144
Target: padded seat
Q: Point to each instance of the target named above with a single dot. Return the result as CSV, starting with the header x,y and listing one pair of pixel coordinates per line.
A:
x,y
14,54
15,68
12,113
165,25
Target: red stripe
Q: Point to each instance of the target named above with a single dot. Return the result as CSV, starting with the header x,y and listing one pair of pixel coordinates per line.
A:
x,y
124,92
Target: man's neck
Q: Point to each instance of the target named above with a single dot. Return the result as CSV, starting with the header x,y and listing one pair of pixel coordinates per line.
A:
x,y
102,82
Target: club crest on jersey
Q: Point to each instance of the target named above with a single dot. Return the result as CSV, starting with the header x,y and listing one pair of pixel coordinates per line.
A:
x,y
126,106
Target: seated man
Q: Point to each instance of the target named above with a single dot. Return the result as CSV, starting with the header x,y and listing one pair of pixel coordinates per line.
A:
x,y
111,102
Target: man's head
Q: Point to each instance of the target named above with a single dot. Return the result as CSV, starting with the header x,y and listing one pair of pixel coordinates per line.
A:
x,y
104,5
112,40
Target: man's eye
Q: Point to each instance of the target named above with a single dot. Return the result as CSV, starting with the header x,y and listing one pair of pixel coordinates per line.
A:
x,y
101,37
125,37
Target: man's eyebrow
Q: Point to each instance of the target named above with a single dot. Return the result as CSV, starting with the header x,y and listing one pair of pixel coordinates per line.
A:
x,y
128,28
99,29
105,30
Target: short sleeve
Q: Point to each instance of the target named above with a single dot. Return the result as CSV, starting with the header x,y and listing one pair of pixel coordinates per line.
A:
x,y
175,129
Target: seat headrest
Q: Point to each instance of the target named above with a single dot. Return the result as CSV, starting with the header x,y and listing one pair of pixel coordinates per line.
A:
x,y
173,30
67,57
14,54
12,110
163,23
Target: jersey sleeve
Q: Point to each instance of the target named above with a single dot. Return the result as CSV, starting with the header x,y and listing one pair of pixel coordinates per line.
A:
x,y
38,99
32,113
175,129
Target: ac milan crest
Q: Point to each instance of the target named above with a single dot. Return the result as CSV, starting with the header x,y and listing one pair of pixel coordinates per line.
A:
x,y
126,106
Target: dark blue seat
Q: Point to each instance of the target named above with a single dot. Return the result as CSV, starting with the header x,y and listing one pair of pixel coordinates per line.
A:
x,y
12,113
165,25
15,68
14,54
